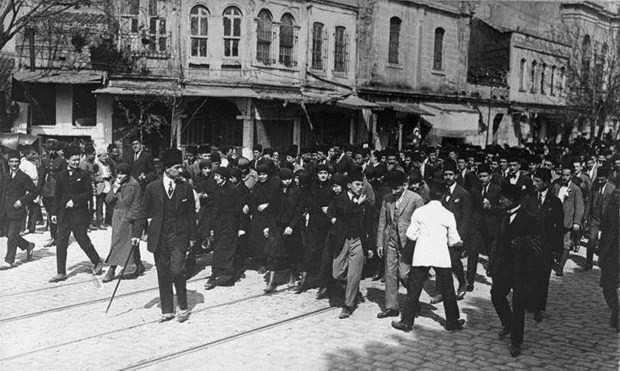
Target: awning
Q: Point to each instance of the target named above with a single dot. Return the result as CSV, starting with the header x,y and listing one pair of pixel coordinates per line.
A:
x,y
60,77
405,108
354,102
13,140
454,121
173,89
218,92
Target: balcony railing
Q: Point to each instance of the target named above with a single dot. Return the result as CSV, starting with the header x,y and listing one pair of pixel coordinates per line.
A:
x,y
155,46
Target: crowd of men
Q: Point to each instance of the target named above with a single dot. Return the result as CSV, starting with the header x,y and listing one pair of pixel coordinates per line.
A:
x,y
329,217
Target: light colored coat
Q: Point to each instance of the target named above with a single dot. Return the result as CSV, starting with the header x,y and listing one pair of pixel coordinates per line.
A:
x,y
409,203
573,204
433,228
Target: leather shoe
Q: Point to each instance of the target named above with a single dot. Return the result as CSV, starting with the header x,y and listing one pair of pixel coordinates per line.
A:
x,y
388,313
59,277
399,325
210,284
98,269
460,293
183,315
345,312
139,270
436,299
270,288
262,270
109,276
29,251
614,322
587,267
5,265
50,243
505,331
470,287
166,317
322,293
515,350
458,325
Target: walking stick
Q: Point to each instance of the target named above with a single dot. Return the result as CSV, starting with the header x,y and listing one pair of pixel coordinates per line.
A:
x,y
121,275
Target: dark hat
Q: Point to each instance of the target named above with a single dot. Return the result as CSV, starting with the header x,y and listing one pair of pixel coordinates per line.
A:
x,y
215,157
171,157
204,148
395,178
602,172
243,163
390,152
340,180
286,164
204,163
533,159
236,173
185,174
512,192
568,165
430,149
436,190
14,154
123,168
72,150
514,158
380,170
449,166
543,174
191,149
110,147
258,148
322,167
286,173
263,169
415,176
355,175
484,168
268,151
303,176
223,171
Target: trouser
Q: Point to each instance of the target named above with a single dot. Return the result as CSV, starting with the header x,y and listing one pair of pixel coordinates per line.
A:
x,y
348,266
514,318
169,260
100,204
457,264
472,263
568,243
47,203
592,243
81,236
395,270
445,286
34,214
326,267
14,240
610,293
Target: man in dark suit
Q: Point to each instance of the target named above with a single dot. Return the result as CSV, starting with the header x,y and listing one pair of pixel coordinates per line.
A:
x,y
601,196
512,265
141,163
465,177
514,175
458,201
610,259
18,191
70,210
342,163
170,208
486,211
550,214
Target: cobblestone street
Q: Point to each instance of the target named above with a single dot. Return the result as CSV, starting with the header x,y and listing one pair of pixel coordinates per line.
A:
x,y
63,326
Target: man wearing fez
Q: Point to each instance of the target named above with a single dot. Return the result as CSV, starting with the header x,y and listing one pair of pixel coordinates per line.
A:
x,y
170,209
141,162
601,196
512,265
548,209
18,191
433,230
394,219
70,210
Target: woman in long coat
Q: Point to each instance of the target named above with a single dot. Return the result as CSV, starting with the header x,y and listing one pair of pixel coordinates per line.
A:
x,y
260,210
125,198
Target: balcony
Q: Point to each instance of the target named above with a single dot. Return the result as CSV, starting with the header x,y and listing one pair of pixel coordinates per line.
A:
x,y
152,46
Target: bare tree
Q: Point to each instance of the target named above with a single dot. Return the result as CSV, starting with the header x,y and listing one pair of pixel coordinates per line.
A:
x,y
15,15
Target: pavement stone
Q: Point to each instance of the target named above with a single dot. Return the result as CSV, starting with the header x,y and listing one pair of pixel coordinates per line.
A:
x,y
36,334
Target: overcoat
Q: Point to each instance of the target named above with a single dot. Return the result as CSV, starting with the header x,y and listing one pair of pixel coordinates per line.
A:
x,y
126,203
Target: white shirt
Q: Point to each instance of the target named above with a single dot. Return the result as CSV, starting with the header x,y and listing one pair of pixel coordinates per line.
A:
x,y
434,229
513,213
30,169
451,188
515,179
563,193
543,196
167,182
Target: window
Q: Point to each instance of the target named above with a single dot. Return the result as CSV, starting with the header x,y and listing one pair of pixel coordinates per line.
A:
x,y
542,78
128,24
287,41
199,31
552,82
561,81
317,46
522,75
263,37
533,78
42,98
341,50
158,37
438,51
394,40
586,51
84,105
232,31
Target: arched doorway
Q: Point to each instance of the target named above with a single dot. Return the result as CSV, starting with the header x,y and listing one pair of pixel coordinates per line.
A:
x,y
212,120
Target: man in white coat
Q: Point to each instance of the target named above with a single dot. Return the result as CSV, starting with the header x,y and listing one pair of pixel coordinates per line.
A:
x,y
433,229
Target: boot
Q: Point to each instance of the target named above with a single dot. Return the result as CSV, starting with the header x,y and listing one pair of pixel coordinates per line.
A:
x,y
559,271
292,281
109,276
136,260
302,285
271,285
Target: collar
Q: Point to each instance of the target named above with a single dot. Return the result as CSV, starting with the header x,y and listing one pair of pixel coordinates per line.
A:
x,y
167,179
544,193
351,195
513,210
452,187
341,157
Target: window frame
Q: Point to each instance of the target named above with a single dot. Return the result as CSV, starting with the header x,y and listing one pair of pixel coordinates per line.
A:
x,y
200,18
522,67
317,60
394,40
233,39
289,51
264,37
341,57
438,40
533,77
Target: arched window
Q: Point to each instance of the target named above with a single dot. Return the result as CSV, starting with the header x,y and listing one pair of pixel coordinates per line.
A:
x,y
199,29
263,36
533,78
586,50
232,31
318,55
522,75
287,40
552,82
542,78
561,81
341,45
395,23
438,51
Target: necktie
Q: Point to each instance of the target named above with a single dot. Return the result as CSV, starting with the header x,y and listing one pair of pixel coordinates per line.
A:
x,y
12,174
484,192
539,200
170,189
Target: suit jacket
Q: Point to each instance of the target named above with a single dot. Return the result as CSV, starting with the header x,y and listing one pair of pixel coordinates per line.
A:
x,y
469,181
550,216
143,165
460,205
153,208
573,205
19,188
523,181
344,165
349,216
597,206
77,187
586,185
485,221
410,202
